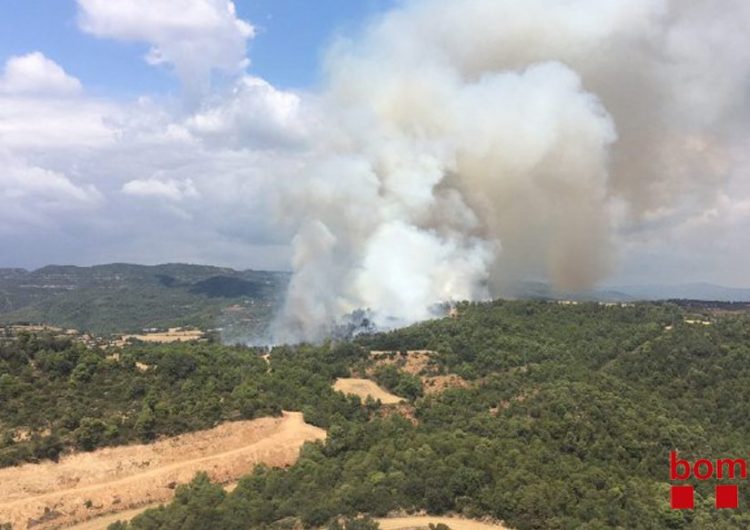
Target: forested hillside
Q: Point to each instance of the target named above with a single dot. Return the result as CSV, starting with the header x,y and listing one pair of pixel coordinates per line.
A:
x,y
58,395
564,420
126,298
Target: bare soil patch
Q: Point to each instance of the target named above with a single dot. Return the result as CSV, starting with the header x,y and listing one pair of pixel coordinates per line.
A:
x,y
414,362
403,409
364,388
420,364
438,383
87,485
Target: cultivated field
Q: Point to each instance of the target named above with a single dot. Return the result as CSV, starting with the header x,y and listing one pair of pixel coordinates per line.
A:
x,y
364,388
86,485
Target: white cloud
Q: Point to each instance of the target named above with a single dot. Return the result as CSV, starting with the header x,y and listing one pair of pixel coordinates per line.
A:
x,y
42,107
195,36
162,176
19,181
254,113
36,74
36,196
202,179
38,123
170,189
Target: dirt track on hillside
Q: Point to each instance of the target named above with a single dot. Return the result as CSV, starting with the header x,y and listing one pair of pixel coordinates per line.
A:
x,y
86,485
103,522
455,523
391,523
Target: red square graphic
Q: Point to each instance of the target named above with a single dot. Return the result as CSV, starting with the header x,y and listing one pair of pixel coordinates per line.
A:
x,y
682,498
726,496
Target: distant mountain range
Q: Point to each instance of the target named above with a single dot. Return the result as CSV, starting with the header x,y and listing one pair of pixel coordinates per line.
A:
x,y
693,291
125,298
629,293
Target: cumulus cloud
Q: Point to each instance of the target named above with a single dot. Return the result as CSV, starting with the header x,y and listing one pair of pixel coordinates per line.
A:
x,y
38,124
191,183
171,192
254,113
42,108
32,195
170,189
196,37
34,73
20,181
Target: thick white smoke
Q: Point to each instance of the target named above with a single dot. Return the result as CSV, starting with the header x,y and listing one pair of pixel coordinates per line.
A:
x,y
468,143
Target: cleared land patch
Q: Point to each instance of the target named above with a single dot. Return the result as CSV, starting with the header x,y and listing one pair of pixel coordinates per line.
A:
x,y
171,335
420,364
364,388
87,485
415,362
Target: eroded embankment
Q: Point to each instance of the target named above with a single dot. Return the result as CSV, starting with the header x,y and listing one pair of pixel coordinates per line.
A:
x,y
86,485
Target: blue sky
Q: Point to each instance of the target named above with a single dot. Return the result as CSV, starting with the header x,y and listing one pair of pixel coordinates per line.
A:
x,y
291,36
105,157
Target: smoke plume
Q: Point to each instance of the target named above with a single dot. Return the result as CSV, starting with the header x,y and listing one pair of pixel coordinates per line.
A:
x,y
464,144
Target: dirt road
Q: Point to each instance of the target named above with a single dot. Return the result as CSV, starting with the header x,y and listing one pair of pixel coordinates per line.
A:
x,y
101,523
455,523
87,485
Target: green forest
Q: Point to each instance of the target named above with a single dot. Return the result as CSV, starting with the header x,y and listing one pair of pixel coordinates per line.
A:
x,y
122,298
566,421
